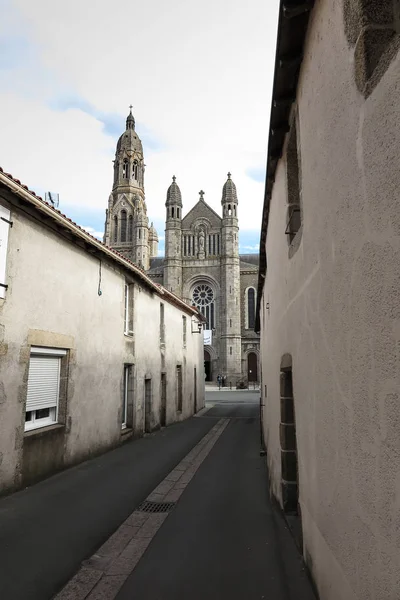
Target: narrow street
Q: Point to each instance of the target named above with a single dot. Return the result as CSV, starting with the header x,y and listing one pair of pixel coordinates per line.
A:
x,y
220,539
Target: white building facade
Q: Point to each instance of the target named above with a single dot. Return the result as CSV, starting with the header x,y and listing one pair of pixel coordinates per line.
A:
x,y
93,352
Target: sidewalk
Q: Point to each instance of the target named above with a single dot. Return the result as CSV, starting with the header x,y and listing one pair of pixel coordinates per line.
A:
x,y
212,387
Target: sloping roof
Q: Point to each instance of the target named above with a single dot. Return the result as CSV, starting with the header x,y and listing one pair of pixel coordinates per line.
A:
x,y
292,30
48,211
253,259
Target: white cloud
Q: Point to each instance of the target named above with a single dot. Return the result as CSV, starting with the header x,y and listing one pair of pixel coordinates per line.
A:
x,y
198,74
252,248
97,234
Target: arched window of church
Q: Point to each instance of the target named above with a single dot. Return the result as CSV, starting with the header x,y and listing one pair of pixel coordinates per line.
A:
x,y
116,168
234,209
251,308
172,212
115,229
123,225
229,210
177,213
125,169
135,170
203,298
140,234
130,228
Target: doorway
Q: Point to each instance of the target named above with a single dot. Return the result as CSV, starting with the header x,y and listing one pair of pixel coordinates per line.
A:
x,y
195,389
289,458
252,367
179,388
147,405
207,366
163,410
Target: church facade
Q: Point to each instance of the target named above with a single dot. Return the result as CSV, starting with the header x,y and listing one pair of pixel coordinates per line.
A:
x,y
202,264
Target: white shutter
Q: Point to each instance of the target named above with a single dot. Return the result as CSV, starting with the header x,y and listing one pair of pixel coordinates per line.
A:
x,y
4,227
43,382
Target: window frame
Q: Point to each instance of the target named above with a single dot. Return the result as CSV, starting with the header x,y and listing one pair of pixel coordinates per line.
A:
x,y
53,417
128,309
246,302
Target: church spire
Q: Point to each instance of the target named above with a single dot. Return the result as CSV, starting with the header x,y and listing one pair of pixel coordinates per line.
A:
x,y
130,120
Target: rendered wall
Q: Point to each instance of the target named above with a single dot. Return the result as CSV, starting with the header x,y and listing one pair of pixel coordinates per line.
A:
x,y
334,306
52,300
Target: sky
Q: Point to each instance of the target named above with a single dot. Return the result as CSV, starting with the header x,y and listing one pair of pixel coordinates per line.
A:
x,y
199,78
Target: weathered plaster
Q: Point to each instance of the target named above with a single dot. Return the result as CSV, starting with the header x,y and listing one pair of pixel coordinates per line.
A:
x,y
334,306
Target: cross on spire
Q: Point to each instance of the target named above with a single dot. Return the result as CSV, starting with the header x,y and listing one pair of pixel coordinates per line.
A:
x,y
229,175
173,178
201,194
130,107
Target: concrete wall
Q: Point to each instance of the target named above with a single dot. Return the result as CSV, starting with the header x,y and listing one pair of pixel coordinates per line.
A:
x,y
52,300
334,306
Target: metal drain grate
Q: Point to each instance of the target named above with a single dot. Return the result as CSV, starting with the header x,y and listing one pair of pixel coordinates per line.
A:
x,y
156,507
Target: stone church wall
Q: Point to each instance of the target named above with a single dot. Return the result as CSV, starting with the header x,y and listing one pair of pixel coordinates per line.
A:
x,y
53,302
330,309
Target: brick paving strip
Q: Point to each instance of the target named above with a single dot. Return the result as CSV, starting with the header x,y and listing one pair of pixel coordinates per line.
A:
x,y
102,576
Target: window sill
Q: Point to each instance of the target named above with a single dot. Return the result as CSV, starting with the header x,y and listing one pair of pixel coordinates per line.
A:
x,y
41,431
296,241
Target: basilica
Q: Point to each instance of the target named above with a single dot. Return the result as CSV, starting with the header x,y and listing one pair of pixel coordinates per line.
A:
x,y
202,264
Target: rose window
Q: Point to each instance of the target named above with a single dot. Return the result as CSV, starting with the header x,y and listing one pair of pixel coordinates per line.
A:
x,y
203,298
203,295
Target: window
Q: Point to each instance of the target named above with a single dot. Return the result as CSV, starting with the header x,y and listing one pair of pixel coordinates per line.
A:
x,y
135,170
177,213
250,308
203,298
128,310
127,399
130,228
229,210
172,212
294,216
184,331
43,387
230,350
123,225
125,169
4,227
162,324
115,229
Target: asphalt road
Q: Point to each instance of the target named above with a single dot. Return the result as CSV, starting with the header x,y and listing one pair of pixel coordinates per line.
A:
x,y
223,540
47,530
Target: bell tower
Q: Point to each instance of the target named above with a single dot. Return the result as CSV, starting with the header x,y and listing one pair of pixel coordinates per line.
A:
x,y
127,224
173,239
231,347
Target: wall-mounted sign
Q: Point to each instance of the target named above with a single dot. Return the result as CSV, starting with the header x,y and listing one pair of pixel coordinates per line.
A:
x,y
207,337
